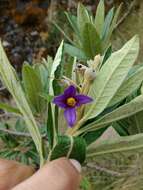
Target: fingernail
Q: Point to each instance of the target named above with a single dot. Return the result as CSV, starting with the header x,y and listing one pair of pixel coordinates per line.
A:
x,y
76,164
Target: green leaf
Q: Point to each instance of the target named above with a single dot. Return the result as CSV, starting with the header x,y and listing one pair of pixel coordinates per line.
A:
x,y
47,97
107,54
8,76
50,127
82,18
43,74
63,32
128,144
73,22
127,110
91,41
112,27
111,76
9,108
85,184
70,147
107,23
56,63
20,125
133,124
136,121
75,52
99,18
33,87
122,130
54,88
129,85
92,136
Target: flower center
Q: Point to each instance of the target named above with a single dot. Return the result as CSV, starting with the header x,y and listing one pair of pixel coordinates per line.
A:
x,y
71,101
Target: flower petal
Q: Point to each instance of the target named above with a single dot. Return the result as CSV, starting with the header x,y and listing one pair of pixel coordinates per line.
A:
x,y
70,116
60,101
83,99
70,91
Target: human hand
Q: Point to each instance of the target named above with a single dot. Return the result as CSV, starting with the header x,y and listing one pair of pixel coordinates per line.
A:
x,y
61,174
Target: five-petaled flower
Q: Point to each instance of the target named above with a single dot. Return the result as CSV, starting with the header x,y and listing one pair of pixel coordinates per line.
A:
x,y
69,100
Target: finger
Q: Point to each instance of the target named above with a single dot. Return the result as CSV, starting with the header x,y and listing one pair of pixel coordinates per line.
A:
x,y
13,173
61,174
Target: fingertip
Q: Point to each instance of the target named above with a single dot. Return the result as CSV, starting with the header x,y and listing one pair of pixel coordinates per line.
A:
x,y
60,174
76,165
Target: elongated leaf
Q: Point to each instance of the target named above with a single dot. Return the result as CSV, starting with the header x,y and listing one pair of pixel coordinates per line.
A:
x,y
82,18
107,23
50,127
129,144
75,52
11,81
135,123
73,22
63,32
33,87
112,27
91,41
56,63
130,85
53,88
71,147
99,18
92,136
43,74
9,108
107,55
112,75
127,110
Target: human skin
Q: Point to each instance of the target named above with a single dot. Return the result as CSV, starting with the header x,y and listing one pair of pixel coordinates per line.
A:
x,y
60,174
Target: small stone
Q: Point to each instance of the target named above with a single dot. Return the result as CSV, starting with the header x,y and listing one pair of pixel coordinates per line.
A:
x,y
34,33
6,44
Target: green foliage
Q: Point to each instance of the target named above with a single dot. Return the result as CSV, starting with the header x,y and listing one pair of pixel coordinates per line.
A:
x,y
16,144
70,147
33,87
100,16
111,79
131,84
9,108
92,35
129,144
12,83
91,41
112,75
124,111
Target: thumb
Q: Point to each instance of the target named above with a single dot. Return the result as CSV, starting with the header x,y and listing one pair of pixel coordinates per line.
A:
x,y
12,173
60,174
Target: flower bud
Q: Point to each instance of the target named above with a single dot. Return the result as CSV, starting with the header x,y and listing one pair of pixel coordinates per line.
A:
x,y
95,64
89,74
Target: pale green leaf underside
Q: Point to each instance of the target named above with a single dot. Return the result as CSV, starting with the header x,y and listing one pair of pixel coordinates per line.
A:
x,y
112,75
99,18
121,144
127,110
130,85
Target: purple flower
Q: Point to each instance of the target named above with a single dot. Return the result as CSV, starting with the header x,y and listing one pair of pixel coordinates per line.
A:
x,y
69,100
